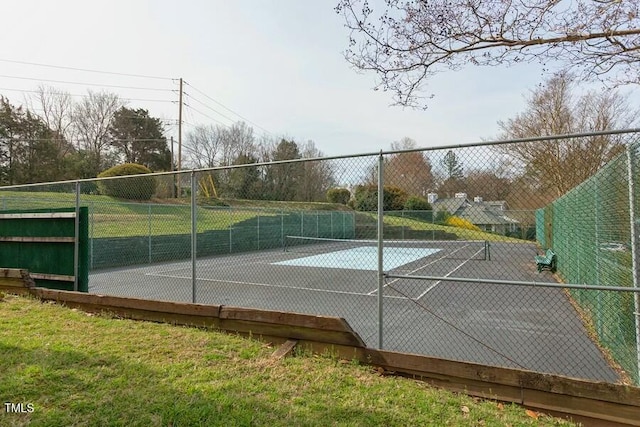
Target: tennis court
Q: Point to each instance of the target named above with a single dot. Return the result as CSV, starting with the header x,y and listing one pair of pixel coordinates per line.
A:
x,y
444,294
513,326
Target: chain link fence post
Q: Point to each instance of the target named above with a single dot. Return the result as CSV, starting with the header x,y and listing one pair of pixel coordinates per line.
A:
x,y
91,233
635,261
380,251
149,229
194,236
282,228
76,244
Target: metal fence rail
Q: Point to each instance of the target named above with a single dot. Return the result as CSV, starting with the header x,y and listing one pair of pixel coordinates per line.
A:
x,y
428,251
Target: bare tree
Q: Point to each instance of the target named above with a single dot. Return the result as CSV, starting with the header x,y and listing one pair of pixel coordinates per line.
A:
x,y
410,171
236,140
55,108
487,184
316,176
91,118
413,40
554,109
209,146
265,146
203,146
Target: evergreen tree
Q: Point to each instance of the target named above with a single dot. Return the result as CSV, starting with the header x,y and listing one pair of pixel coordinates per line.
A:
x,y
281,180
138,138
244,183
27,150
453,167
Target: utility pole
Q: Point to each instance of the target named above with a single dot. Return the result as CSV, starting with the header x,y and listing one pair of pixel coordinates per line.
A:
x,y
173,159
173,168
180,127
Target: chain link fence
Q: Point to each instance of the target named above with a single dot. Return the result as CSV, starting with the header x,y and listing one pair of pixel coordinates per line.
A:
x,y
429,251
593,226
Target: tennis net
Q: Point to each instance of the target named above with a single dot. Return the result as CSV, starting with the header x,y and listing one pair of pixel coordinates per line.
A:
x,y
447,249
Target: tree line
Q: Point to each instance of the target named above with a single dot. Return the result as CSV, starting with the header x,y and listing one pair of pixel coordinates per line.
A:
x,y
209,146
55,138
527,175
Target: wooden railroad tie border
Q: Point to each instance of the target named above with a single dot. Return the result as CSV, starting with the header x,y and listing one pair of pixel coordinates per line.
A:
x,y
19,277
54,277
284,350
16,278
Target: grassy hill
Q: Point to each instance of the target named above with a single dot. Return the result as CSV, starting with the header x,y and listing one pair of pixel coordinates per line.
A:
x,y
111,217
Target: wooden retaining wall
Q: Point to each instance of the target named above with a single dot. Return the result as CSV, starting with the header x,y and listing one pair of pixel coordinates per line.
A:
x,y
589,402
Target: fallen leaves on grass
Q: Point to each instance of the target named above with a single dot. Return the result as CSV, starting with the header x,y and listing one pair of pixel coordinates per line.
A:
x,y
465,411
532,414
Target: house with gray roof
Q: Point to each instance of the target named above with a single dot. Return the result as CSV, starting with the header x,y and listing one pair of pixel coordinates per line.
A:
x,y
488,216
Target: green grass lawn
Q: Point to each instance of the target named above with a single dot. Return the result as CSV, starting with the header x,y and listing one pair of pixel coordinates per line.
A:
x,y
156,220
111,217
78,369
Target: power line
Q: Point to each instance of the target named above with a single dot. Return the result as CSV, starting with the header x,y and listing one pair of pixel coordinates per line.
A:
x,y
85,70
189,123
170,128
205,115
85,96
87,84
71,140
128,87
228,109
170,122
206,106
173,121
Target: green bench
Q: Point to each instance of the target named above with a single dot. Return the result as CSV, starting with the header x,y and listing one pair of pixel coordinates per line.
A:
x,y
547,261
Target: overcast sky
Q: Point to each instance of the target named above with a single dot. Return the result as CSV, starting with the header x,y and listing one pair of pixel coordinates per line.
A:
x,y
276,63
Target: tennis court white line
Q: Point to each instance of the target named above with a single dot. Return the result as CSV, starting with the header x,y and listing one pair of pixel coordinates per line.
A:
x,y
267,285
217,263
428,264
446,275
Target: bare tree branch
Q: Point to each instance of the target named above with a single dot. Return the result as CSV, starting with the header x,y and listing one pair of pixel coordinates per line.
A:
x,y
553,109
411,41
91,119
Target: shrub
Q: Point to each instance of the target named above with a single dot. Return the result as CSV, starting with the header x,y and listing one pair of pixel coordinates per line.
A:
x,y
418,208
394,198
455,221
417,203
442,216
366,198
140,188
338,195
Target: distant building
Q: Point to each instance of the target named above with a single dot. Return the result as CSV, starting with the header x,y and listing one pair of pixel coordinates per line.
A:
x,y
488,216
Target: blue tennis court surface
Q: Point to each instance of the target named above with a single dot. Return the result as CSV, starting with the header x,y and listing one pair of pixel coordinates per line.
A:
x,y
364,258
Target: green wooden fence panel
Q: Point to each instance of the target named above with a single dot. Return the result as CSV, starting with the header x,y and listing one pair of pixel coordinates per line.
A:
x,y
46,258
